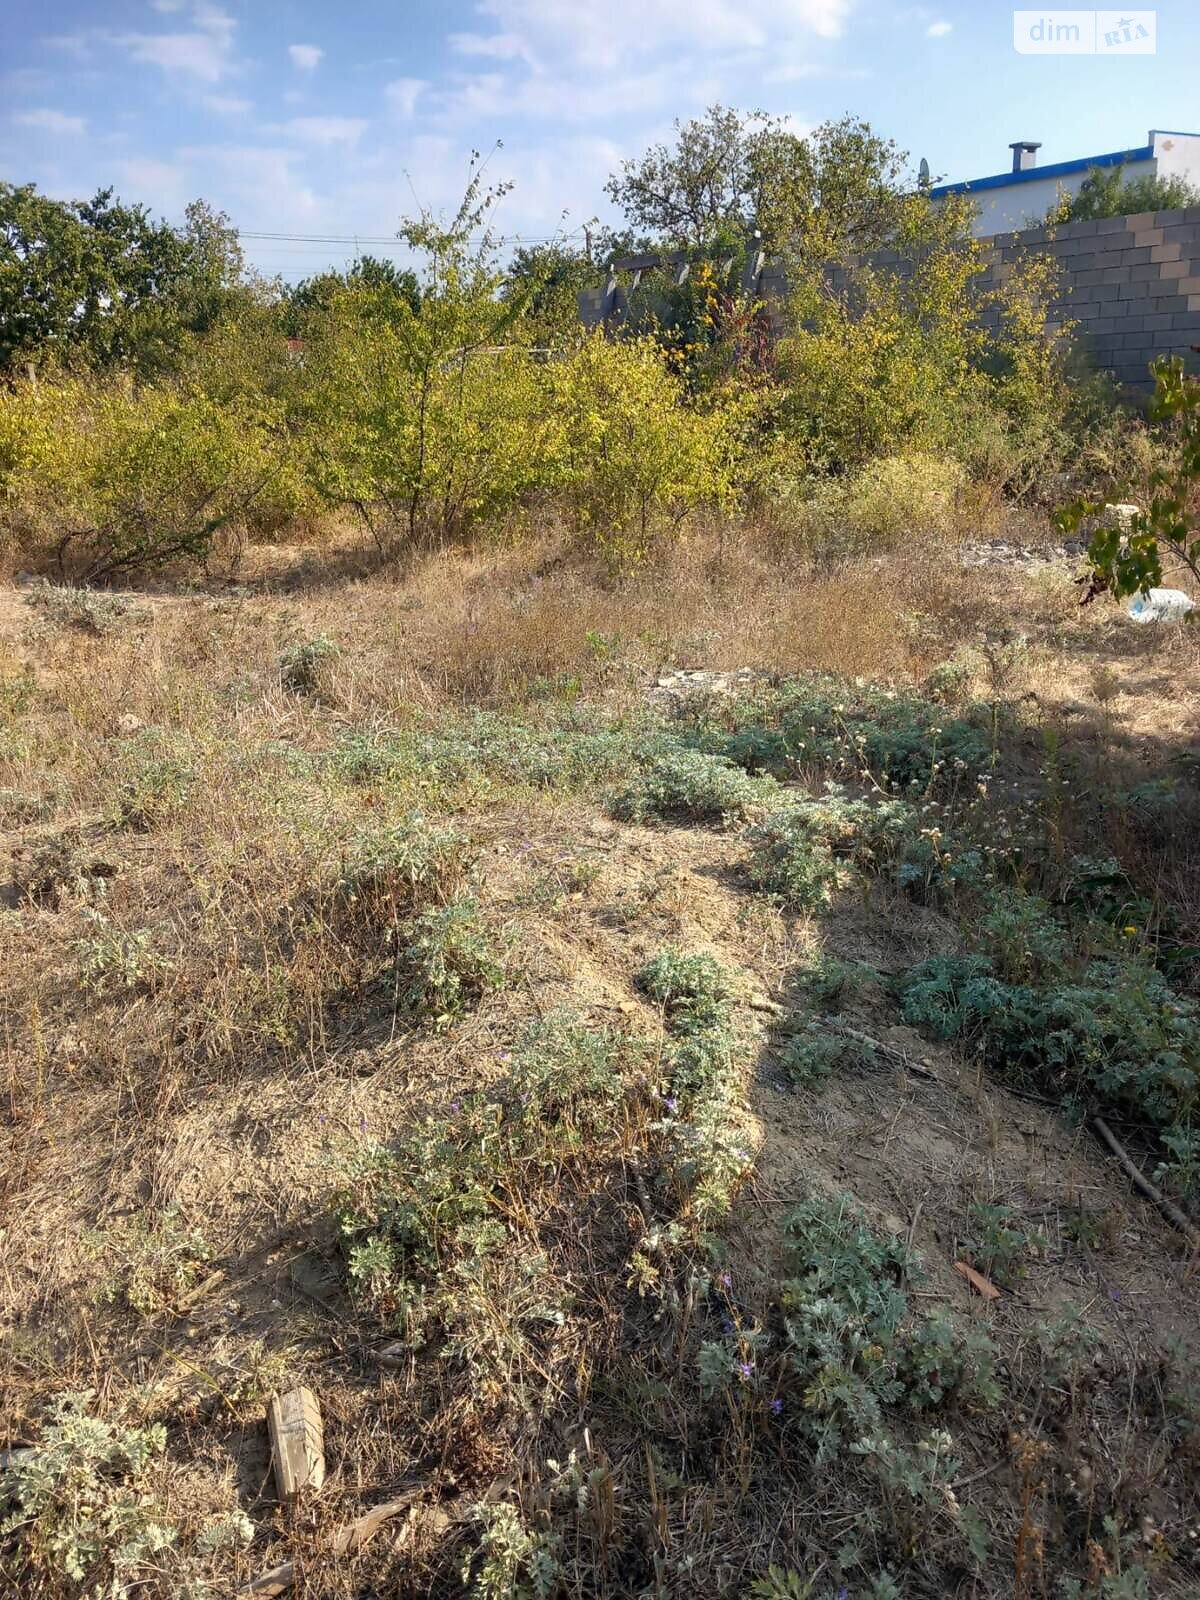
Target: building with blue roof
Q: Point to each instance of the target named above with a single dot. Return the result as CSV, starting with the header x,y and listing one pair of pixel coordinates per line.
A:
x,y
1021,197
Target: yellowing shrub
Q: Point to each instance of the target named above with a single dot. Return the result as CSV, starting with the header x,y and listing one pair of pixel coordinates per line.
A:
x,y
887,502
421,425
638,458
112,479
905,495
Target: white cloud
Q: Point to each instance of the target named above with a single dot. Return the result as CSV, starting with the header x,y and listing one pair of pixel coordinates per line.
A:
x,y
305,57
402,95
71,44
559,60
939,30
204,52
499,100
325,130
801,71
227,105
50,121
161,185
167,6
603,36
499,46
257,184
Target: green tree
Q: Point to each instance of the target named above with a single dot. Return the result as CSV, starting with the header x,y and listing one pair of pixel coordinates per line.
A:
x,y
385,287
427,419
730,173
546,280
878,358
706,182
837,193
1109,192
95,283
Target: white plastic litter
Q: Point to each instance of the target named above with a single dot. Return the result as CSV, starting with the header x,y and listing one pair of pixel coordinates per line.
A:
x,y
1161,605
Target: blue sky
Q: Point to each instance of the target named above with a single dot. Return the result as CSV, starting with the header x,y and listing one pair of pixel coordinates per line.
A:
x,y
306,118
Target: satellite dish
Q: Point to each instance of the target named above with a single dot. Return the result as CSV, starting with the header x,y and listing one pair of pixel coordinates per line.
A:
x,y
923,173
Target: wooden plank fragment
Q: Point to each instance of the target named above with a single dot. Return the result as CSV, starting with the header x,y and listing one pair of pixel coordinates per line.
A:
x,y
297,1443
978,1282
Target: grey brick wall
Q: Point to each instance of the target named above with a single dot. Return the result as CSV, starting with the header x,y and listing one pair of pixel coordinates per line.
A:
x,y
1129,285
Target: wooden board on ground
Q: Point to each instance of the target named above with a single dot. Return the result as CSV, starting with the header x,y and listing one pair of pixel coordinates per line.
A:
x,y
297,1442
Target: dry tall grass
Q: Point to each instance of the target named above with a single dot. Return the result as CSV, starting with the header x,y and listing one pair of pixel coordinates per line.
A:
x,y
189,1040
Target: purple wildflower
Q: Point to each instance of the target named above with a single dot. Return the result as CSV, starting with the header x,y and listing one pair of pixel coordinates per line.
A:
x,y
745,1368
726,1280
776,1407
672,1104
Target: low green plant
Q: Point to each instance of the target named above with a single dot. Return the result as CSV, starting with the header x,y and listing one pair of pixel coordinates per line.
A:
x,y
1118,1037
940,1360
830,982
569,748
997,1248
782,1583
114,962
903,742
158,1260
843,1311
389,873
432,1241
812,1056
705,1152
513,1562
80,1506
1132,1583
706,1155
949,683
89,611
788,864
56,869
157,785
795,853
852,1341
1023,939
1067,1346
304,666
1180,1171
447,962
693,990
692,786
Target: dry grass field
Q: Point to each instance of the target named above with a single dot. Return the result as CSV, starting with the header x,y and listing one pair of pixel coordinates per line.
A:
x,y
400,999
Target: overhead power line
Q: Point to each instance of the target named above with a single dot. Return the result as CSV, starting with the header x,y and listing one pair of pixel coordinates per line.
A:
x,y
357,239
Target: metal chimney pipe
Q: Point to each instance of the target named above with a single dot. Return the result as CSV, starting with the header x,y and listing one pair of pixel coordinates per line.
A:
x,y
1024,154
